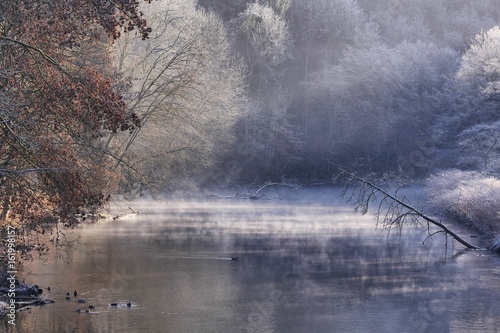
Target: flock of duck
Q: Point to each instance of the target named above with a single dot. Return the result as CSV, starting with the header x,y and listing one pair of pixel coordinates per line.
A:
x,y
90,307
81,300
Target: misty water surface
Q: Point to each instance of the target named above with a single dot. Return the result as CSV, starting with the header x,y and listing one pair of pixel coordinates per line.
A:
x,y
308,265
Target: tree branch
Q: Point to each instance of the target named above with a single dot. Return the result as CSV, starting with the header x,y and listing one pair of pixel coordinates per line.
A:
x,y
30,47
412,209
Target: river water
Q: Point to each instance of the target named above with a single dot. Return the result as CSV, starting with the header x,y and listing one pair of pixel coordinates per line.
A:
x,y
305,265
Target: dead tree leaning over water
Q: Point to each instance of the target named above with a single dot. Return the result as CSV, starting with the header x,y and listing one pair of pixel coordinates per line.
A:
x,y
393,210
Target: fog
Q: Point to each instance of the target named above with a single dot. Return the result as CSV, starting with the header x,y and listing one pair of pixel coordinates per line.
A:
x,y
303,266
300,87
236,95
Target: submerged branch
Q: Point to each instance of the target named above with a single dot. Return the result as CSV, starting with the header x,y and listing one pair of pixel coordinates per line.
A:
x,y
411,209
283,183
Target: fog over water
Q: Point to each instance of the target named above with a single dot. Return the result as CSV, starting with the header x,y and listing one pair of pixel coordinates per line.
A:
x,y
304,266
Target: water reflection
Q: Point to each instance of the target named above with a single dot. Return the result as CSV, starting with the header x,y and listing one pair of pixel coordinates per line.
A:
x,y
302,268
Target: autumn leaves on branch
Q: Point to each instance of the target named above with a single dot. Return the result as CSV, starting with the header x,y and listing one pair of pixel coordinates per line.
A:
x,y
57,105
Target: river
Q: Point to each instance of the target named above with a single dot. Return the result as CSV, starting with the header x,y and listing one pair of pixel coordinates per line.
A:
x,y
304,265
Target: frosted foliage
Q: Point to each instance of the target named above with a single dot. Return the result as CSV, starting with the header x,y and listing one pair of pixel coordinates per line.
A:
x,y
331,21
480,147
266,31
376,89
469,195
481,63
409,28
186,87
327,17
280,6
277,141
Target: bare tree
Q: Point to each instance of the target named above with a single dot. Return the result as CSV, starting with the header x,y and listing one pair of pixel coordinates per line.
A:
x,y
481,146
394,210
187,89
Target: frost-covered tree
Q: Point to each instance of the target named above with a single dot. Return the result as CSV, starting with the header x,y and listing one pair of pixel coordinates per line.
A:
x,y
480,65
281,7
469,125
276,143
471,196
322,29
187,89
377,101
450,23
480,146
264,40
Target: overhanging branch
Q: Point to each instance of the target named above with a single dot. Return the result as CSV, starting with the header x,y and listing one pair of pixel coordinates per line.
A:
x,y
37,50
410,208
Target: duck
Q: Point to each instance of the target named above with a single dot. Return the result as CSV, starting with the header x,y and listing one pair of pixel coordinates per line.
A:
x,y
75,293
234,258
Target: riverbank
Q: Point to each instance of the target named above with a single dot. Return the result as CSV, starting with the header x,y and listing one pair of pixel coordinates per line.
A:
x,y
471,198
15,295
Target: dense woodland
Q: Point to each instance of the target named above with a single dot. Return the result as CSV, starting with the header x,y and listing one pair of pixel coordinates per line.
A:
x,y
104,96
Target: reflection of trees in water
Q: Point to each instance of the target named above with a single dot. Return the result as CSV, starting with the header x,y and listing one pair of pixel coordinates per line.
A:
x,y
332,275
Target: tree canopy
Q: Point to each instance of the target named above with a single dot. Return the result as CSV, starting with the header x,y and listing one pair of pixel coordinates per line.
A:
x,y
58,101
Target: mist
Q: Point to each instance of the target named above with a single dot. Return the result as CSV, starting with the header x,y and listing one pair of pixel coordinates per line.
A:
x,y
333,83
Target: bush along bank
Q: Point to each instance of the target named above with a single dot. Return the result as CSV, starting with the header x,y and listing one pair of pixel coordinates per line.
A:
x,y
471,197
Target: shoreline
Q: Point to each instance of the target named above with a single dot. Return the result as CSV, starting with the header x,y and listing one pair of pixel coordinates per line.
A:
x,y
15,296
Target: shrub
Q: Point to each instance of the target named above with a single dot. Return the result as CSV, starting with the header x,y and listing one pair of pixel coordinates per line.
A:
x,y
470,196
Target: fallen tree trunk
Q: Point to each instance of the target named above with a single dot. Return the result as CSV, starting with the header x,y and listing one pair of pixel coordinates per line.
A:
x,y
411,210
255,195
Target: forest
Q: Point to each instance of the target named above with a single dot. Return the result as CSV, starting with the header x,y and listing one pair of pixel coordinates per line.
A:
x,y
124,96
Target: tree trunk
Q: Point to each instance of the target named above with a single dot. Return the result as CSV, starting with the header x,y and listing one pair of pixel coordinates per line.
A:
x,y
5,209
